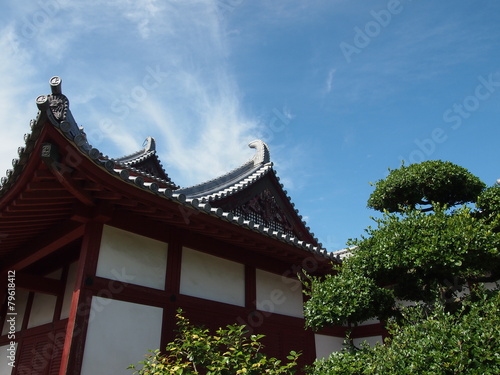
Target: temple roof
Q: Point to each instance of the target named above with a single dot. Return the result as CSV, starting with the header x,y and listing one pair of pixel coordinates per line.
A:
x,y
234,180
253,191
146,163
249,196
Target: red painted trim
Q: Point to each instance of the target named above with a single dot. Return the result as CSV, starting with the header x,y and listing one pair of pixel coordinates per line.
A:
x,y
32,164
376,329
66,234
114,289
34,331
74,344
45,353
335,331
72,187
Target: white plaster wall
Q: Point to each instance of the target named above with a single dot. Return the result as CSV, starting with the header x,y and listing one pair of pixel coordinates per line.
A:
x,y
132,258
210,277
42,310
68,291
119,334
4,361
372,340
326,345
278,294
21,301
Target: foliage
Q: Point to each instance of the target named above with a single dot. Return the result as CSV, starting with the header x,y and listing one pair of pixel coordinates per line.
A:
x,y
420,250
421,256
229,351
424,184
343,299
431,342
489,200
348,362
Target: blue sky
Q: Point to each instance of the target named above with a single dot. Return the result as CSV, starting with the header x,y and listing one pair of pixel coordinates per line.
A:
x,y
340,90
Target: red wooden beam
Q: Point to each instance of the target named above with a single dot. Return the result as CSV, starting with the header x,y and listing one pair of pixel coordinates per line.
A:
x,y
76,331
376,329
45,186
43,208
46,195
54,201
39,284
73,187
34,214
46,245
108,195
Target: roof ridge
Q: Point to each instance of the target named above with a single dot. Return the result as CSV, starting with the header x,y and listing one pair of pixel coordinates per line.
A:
x,y
55,108
261,157
256,175
149,147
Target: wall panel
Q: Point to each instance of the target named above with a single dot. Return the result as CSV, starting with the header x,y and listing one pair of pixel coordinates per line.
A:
x,y
210,277
326,345
42,310
119,334
68,291
279,294
126,256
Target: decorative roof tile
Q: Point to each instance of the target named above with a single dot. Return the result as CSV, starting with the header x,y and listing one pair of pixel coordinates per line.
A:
x,y
55,108
146,163
235,180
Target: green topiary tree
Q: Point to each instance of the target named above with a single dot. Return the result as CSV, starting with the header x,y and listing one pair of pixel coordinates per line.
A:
x,y
420,250
416,256
422,185
230,351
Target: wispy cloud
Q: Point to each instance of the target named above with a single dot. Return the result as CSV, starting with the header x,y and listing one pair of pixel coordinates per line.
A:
x,y
158,69
13,103
329,80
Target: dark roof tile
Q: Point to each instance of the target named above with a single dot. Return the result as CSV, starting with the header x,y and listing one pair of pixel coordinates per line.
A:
x,y
55,107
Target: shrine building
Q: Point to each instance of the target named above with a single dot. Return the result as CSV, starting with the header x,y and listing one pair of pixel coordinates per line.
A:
x,y
98,253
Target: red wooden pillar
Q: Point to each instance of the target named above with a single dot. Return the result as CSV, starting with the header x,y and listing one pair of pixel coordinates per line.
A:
x,y
172,288
76,331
